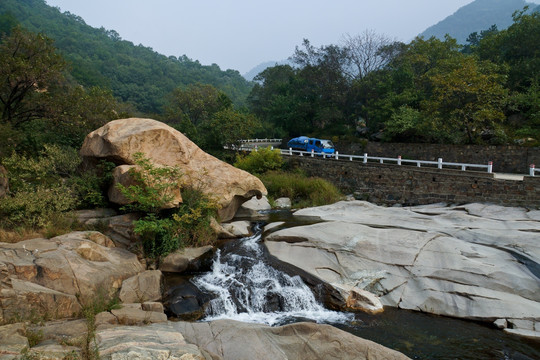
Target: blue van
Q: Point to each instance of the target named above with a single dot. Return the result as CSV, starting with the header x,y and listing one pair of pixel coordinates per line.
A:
x,y
318,146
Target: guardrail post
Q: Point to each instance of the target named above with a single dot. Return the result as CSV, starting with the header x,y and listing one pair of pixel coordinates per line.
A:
x,y
490,167
531,170
418,164
337,155
350,157
463,167
301,153
324,155
439,165
290,151
312,153
399,160
365,158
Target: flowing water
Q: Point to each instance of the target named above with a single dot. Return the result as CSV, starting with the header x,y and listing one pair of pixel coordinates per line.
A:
x,y
248,289
244,287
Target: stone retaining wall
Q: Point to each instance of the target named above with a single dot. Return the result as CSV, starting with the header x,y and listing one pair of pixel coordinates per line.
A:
x,y
392,184
506,159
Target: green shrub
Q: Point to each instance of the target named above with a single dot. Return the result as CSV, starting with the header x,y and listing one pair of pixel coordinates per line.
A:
x,y
153,186
39,189
193,218
34,208
53,164
260,161
91,186
303,191
165,231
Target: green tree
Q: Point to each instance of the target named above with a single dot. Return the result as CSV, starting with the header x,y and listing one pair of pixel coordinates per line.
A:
x,y
30,69
467,99
188,108
226,127
517,47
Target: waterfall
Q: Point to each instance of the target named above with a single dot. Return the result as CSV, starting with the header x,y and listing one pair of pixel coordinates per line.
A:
x,y
247,289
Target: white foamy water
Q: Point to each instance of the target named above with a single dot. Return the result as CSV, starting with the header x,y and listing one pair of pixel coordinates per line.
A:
x,y
249,290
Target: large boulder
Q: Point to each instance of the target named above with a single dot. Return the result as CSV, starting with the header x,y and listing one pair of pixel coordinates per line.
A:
x,y
232,340
474,261
119,140
52,277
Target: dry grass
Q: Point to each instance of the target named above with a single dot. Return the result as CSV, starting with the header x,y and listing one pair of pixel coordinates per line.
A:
x,y
15,236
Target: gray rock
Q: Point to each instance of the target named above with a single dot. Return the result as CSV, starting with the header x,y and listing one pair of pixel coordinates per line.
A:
x,y
92,215
145,286
252,208
227,339
63,331
501,323
46,275
238,228
186,259
12,339
437,259
133,316
152,306
282,203
54,351
156,341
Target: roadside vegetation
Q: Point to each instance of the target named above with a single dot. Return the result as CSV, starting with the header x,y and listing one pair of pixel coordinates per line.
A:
x,y
304,191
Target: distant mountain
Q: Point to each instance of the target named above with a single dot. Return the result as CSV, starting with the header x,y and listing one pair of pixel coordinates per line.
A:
x,y
135,73
477,16
250,75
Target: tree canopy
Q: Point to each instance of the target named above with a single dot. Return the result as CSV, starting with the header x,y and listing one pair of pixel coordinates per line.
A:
x,y
427,90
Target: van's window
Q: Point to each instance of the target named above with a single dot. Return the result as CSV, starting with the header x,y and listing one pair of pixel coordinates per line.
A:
x,y
327,144
318,143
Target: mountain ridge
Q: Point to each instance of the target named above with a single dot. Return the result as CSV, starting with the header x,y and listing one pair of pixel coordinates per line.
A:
x,y
136,74
477,16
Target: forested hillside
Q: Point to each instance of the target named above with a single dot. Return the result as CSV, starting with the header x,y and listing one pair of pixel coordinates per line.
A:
x,y
475,17
428,90
136,74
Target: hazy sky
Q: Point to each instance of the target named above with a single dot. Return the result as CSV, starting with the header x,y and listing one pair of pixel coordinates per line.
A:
x,y
241,34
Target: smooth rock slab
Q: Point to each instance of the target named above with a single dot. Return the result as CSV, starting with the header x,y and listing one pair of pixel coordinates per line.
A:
x,y
232,340
227,339
437,259
156,341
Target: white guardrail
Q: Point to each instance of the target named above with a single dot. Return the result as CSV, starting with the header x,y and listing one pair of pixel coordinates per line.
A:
x,y
365,159
259,141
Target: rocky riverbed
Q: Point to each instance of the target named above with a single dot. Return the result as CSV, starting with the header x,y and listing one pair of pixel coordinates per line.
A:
x,y
475,261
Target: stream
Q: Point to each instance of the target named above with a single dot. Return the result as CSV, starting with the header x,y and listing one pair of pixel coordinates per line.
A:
x,y
241,285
